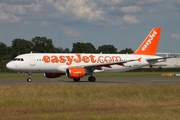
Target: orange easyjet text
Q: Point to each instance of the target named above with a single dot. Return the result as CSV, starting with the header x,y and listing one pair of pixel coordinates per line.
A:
x,y
78,58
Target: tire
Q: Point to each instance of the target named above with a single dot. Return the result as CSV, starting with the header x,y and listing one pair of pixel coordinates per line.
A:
x,y
76,79
29,80
92,79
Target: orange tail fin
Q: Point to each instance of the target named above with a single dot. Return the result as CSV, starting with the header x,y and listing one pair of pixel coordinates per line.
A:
x,y
150,44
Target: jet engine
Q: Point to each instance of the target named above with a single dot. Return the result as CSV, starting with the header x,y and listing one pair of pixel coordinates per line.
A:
x,y
75,72
52,75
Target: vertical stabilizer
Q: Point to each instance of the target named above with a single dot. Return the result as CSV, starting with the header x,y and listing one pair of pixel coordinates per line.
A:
x,y
150,44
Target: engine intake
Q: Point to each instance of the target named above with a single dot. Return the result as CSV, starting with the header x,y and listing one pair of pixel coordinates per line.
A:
x,y
75,72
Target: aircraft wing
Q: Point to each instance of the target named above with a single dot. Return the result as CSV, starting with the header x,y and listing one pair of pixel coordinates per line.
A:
x,y
99,65
155,60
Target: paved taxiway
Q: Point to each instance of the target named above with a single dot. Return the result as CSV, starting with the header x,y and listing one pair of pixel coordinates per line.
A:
x,y
163,80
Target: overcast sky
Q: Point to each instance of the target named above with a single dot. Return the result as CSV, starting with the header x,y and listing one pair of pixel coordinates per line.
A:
x,y
122,23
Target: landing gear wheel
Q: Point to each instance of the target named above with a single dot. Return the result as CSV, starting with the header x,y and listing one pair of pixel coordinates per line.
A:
x,y
76,79
29,80
92,79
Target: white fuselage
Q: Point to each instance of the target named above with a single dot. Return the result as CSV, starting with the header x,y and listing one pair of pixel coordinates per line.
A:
x,y
58,63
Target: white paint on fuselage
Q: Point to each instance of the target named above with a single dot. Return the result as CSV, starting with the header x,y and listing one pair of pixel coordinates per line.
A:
x,y
33,62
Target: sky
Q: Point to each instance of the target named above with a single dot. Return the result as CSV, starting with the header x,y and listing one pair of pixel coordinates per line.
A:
x,y
122,23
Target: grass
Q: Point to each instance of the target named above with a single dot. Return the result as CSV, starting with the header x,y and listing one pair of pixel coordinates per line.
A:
x,y
90,101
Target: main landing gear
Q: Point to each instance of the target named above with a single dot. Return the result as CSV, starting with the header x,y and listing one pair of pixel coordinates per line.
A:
x,y
91,79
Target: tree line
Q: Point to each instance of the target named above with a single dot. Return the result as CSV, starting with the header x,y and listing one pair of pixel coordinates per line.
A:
x,y
45,45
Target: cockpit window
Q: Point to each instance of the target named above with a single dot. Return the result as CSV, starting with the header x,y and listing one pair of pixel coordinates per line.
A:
x,y
18,59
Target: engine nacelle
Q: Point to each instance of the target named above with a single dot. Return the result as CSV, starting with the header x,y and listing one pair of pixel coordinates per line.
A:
x,y
52,75
75,72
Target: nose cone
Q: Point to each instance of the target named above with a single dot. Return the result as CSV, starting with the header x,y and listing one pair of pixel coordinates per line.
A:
x,y
10,66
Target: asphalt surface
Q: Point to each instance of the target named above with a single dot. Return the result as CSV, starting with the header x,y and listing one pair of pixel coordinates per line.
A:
x,y
159,80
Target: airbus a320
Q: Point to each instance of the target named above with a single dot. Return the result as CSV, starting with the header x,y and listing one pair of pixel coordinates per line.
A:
x,y
76,65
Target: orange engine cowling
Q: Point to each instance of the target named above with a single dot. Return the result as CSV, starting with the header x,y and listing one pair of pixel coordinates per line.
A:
x,y
75,72
52,75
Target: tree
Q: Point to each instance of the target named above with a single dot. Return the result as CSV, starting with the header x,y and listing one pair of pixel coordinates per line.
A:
x,y
107,49
80,47
61,50
126,51
66,50
42,45
20,46
3,50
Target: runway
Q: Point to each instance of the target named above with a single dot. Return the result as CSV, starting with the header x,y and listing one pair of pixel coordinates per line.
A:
x,y
159,80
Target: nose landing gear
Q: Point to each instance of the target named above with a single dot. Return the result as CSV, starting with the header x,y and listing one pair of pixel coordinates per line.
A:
x,y
29,79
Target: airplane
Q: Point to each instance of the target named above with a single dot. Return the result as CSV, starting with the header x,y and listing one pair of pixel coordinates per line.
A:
x,y
77,65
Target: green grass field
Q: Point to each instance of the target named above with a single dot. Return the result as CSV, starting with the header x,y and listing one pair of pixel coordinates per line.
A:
x,y
89,101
